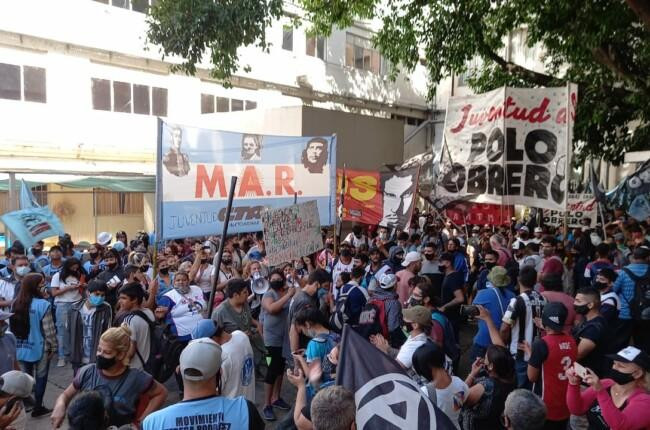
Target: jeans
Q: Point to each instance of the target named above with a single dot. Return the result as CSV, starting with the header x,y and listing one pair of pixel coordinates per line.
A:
x,y
39,370
521,369
62,334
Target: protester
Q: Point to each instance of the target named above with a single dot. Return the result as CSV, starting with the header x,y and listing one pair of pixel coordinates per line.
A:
x,y
95,263
489,261
113,275
384,305
411,265
88,319
593,334
307,297
452,291
18,386
201,271
619,403
140,321
524,410
631,324
35,332
55,256
333,408
602,261
553,292
162,283
10,287
66,288
121,387
227,271
87,411
350,301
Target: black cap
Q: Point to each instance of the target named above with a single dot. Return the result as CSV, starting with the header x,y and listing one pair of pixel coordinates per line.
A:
x,y
634,355
554,315
641,252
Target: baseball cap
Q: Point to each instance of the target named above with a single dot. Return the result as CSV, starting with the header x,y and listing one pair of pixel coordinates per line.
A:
x,y
417,314
619,236
411,257
498,276
16,383
4,315
641,252
200,360
104,238
524,228
538,230
387,281
554,315
205,328
476,228
517,245
634,355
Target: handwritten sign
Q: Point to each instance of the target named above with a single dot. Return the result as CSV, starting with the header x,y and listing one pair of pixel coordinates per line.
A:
x,y
291,232
582,212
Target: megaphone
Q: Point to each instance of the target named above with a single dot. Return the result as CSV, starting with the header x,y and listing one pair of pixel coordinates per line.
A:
x,y
259,285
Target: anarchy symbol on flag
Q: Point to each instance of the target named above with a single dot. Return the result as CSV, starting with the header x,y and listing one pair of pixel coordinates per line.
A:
x,y
375,403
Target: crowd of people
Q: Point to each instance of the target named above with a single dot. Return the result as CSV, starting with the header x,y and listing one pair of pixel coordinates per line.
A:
x,y
560,320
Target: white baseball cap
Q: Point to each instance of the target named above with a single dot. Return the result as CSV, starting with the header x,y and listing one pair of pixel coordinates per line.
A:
x,y
16,383
538,230
387,281
104,238
411,257
200,360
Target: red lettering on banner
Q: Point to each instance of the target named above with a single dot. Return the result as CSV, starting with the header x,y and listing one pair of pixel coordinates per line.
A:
x,y
509,108
283,179
209,182
250,183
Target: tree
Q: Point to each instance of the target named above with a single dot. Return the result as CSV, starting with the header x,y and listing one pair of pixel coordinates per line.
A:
x,y
602,45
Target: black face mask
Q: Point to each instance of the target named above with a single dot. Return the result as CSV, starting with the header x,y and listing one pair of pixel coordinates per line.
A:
x,y
235,245
619,377
346,253
276,285
429,256
226,261
37,252
601,285
93,255
581,309
409,327
144,268
112,266
205,260
164,270
489,266
104,362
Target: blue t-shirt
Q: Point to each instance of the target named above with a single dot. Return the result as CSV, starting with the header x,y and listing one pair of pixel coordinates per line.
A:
x,y
206,413
496,301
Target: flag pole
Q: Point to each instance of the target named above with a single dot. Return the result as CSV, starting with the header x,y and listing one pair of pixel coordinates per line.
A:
x,y
339,213
222,244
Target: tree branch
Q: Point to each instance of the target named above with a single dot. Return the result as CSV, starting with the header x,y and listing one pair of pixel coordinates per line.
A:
x,y
606,56
641,9
532,76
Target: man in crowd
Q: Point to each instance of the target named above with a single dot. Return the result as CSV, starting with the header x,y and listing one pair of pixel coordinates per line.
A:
x,y
490,260
333,408
625,287
452,291
411,266
553,292
342,264
552,263
139,320
460,261
375,269
305,298
602,261
431,265
610,304
524,411
538,233
9,287
357,296
592,335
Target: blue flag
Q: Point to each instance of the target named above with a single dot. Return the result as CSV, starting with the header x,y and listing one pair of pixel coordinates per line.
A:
x,y
27,200
632,194
33,224
385,396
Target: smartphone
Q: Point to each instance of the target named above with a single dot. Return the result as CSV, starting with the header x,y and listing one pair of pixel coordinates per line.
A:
x,y
580,370
469,310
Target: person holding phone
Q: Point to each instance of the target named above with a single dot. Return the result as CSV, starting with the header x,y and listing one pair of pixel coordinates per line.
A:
x,y
621,402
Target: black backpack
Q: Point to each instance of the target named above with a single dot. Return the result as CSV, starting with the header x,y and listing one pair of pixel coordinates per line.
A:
x,y
640,303
341,314
157,339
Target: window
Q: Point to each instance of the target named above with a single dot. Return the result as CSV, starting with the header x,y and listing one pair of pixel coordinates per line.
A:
x,y
207,103
117,203
236,105
470,68
134,5
316,46
250,105
223,104
287,38
360,54
31,88
40,194
125,97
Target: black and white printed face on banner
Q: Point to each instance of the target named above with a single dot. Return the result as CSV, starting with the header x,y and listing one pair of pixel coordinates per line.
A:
x,y
509,146
399,190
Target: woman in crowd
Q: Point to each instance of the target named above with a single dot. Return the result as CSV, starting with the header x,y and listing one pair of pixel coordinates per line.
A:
x,y
621,402
253,273
129,394
275,309
201,270
66,287
487,394
162,283
95,263
33,327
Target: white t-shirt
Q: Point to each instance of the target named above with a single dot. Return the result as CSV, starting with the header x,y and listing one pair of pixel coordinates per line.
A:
x,y
405,354
451,399
339,268
6,292
203,278
357,242
237,367
141,336
69,296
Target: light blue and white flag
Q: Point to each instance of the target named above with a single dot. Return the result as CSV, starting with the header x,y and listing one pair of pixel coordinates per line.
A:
x,y
33,224
27,200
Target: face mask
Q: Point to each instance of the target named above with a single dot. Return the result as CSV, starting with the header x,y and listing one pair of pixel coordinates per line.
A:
x,y
37,252
23,271
112,266
409,327
204,261
524,236
581,309
226,261
429,256
104,363
490,265
93,255
442,267
183,289
144,268
164,270
235,245
383,236
620,378
414,302
346,253
276,285
96,300
601,285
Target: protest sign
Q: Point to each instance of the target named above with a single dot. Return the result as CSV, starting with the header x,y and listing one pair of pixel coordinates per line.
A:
x,y
386,198
33,224
292,232
462,213
582,211
509,146
195,166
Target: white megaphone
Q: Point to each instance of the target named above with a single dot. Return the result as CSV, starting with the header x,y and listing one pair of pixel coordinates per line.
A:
x,y
259,285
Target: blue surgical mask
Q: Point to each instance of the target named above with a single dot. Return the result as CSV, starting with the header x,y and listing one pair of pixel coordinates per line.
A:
x,y
96,300
23,271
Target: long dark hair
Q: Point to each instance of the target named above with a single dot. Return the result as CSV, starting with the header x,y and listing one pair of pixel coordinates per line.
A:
x,y
29,289
67,269
502,362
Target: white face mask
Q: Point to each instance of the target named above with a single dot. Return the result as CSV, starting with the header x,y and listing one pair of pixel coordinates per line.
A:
x,y
23,271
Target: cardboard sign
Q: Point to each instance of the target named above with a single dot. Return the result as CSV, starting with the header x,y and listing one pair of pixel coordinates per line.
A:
x,y
291,232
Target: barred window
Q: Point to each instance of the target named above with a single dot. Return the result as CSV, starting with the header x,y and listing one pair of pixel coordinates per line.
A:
x,y
117,203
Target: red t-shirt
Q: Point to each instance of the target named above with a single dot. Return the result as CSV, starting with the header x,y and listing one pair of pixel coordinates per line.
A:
x,y
567,301
553,265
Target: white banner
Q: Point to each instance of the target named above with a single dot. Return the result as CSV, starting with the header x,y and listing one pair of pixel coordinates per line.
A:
x,y
582,211
291,232
509,146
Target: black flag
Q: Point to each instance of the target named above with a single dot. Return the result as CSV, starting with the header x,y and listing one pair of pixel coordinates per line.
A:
x,y
386,398
596,188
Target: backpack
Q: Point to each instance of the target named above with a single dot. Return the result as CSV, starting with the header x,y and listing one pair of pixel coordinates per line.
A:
x,y
341,314
372,319
156,335
640,303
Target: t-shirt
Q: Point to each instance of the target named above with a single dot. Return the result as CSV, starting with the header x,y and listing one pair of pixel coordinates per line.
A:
x,y
552,265
184,310
610,305
496,301
451,399
7,352
452,282
299,301
339,268
140,334
69,296
520,316
357,241
6,292
227,317
597,331
275,325
124,391
403,284
567,301
87,330
405,354
212,412
237,376
203,278
533,261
